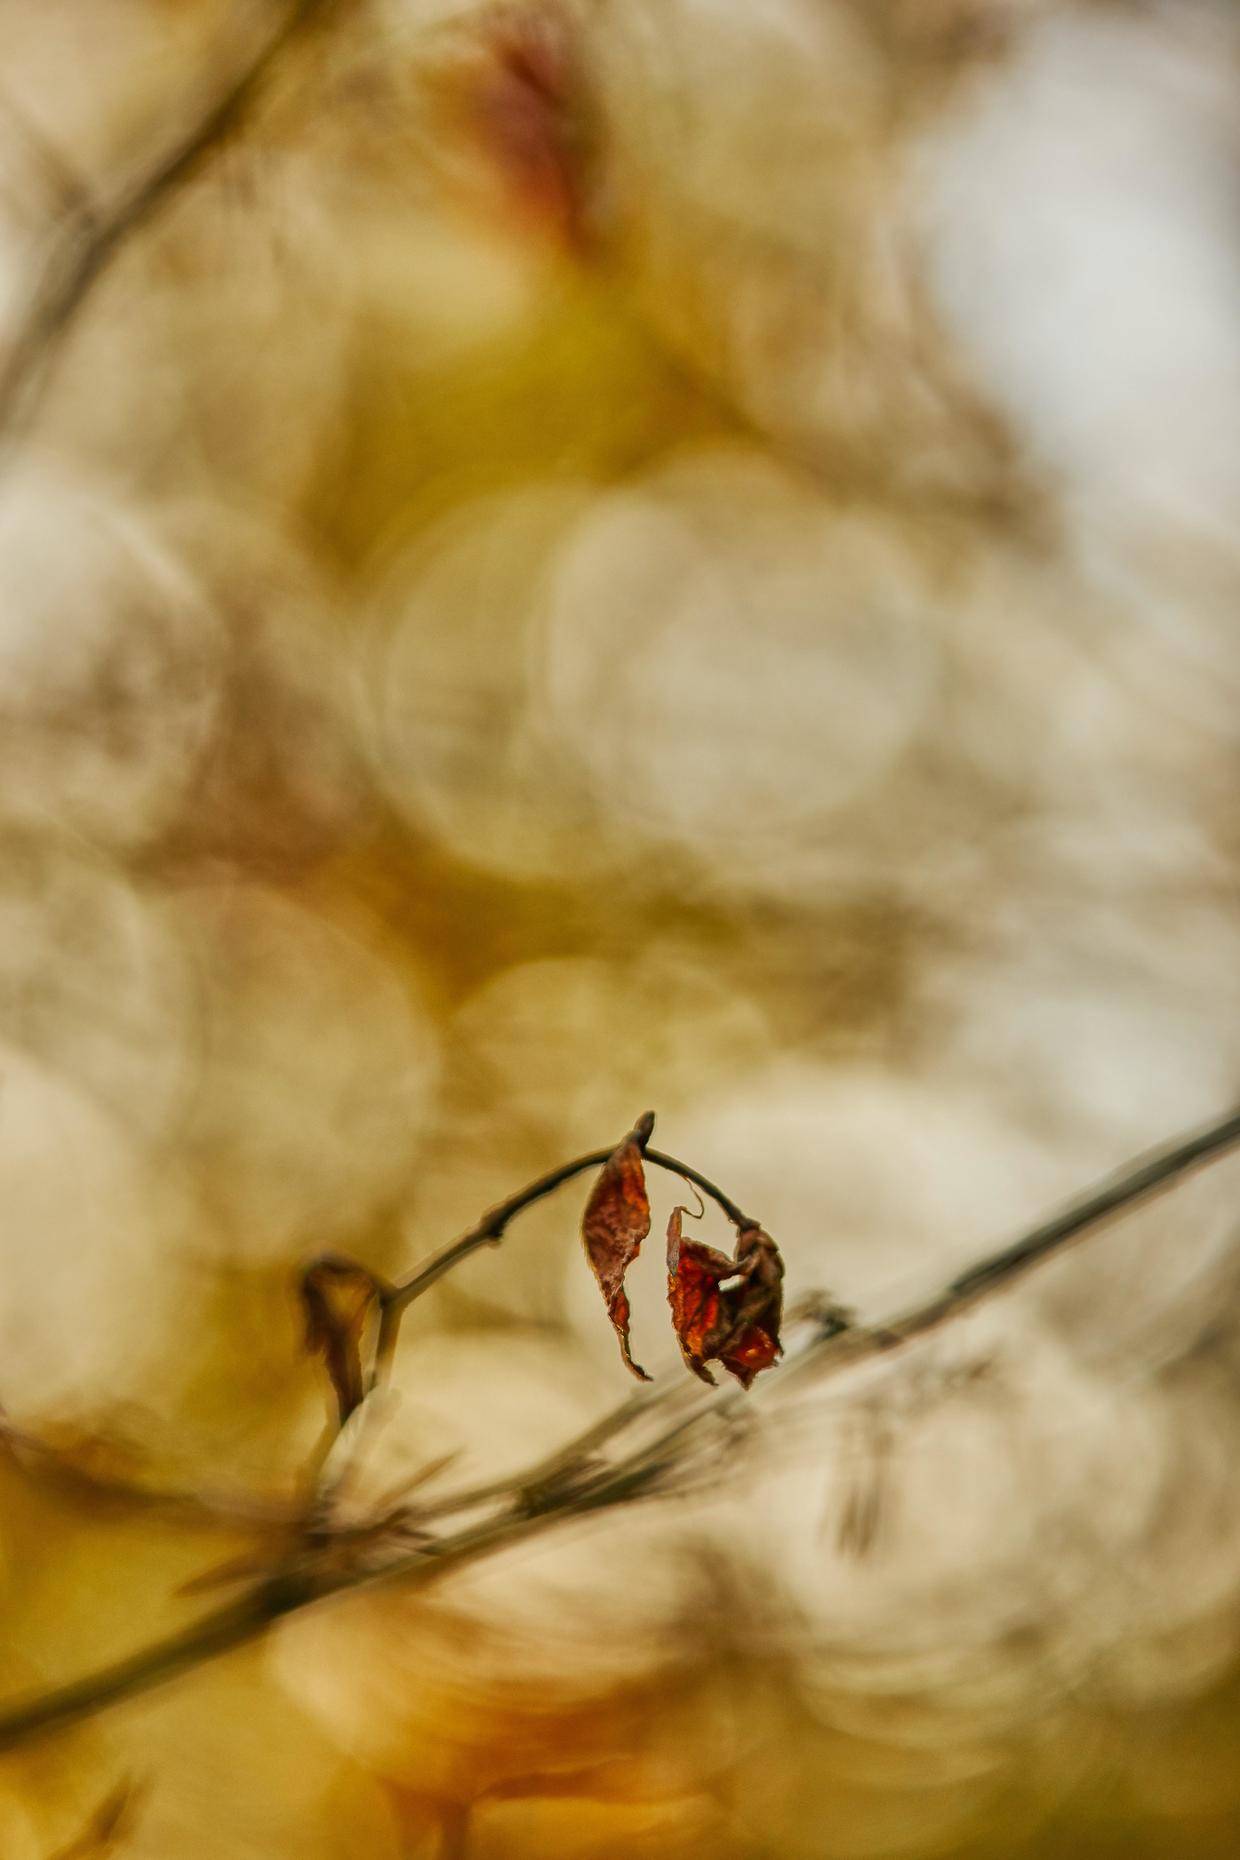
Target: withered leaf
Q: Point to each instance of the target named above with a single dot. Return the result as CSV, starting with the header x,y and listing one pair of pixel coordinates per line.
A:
x,y
725,1310
337,1295
616,1221
530,114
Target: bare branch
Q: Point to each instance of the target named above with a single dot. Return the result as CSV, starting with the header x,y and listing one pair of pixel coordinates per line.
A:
x,y
491,1227
85,1473
490,1230
576,1481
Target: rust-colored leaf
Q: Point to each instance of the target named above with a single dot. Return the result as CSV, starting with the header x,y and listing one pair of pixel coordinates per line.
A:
x,y
337,1295
531,115
725,1310
616,1221
694,1274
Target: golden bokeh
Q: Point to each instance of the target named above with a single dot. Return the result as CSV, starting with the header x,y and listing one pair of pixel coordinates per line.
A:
x,y
559,556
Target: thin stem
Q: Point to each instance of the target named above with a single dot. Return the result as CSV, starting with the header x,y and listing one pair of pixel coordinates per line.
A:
x,y
490,1230
213,1635
392,1300
562,1468
703,1182
532,1502
239,1510
1121,1191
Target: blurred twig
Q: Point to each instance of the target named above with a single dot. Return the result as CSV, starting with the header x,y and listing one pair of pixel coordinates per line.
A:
x,y
109,1823
577,1480
92,231
80,1471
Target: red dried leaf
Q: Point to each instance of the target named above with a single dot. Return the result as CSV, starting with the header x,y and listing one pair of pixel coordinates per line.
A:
x,y
616,1221
694,1274
532,116
725,1310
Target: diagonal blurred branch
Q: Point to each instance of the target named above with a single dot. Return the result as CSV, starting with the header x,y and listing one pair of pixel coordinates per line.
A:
x,y
575,1483
93,231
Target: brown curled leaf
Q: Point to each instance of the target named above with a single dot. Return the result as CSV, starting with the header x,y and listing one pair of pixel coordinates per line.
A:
x,y
694,1274
337,1296
725,1310
616,1221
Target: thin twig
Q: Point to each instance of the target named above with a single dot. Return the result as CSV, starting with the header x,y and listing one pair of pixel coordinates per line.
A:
x,y
1121,1191
94,233
489,1231
242,1511
494,1222
354,1388
531,1503
108,1824
56,1466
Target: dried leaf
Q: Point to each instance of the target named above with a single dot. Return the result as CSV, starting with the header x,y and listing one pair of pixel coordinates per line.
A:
x,y
530,112
337,1296
694,1274
725,1310
616,1221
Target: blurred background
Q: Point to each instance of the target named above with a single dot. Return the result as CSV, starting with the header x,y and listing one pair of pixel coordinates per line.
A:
x,y
577,554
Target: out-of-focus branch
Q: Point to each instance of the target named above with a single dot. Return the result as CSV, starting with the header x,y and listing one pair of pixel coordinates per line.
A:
x,y
75,1470
577,1481
93,231
109,1824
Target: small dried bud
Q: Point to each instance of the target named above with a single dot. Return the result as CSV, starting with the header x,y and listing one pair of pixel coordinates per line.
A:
x,y
337,1296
